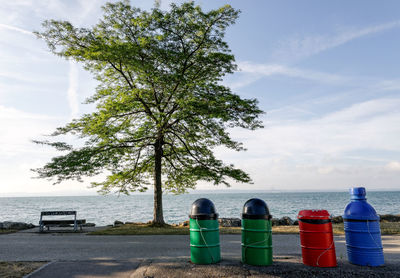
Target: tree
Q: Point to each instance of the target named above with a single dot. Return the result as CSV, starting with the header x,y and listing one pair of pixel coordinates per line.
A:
x,y
160,107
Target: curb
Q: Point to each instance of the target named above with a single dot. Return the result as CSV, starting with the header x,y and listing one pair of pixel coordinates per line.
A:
x,y
37,270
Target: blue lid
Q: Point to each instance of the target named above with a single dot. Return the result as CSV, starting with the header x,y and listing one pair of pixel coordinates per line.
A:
x,y
358,208
358,193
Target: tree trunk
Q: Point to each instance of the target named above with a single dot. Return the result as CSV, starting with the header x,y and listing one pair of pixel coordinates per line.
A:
x,y
158,217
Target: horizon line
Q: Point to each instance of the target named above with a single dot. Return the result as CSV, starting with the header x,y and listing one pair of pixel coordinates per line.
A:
x,y
200,191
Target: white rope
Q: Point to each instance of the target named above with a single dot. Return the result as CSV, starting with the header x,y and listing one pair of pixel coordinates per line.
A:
x,y
377,245
326,250
253,243
205,243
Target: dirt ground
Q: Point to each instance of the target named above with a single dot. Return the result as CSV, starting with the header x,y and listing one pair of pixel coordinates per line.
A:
x,y
18,269
282,267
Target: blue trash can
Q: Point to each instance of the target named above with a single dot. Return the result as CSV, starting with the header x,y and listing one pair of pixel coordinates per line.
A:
x,y
363,233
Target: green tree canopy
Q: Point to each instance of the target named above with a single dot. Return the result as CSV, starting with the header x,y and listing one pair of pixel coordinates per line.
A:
x,y
160,106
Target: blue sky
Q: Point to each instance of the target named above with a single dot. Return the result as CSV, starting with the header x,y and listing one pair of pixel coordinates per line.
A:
x,y
326,73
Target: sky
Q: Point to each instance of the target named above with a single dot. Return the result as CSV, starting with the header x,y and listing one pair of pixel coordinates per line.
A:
x,y
325,72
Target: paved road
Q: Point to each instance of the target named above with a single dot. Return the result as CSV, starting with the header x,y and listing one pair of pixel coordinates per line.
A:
x,y
72,247
67,247
80,255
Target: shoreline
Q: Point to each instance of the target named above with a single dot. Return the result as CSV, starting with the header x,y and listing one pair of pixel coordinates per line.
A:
x,y
285,221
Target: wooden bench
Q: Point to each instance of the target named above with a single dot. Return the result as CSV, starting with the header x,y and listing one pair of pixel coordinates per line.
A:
x,y
59,222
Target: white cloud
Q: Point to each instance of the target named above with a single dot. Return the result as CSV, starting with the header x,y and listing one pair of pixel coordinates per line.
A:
x,y
341,148
72,93
26,12
366,125
241,80
393,166
277,69
364,111
19,155
18,128
326,170
389,85
250,72
17,29
296,48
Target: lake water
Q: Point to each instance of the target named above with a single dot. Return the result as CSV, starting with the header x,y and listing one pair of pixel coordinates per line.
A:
x,y
104,210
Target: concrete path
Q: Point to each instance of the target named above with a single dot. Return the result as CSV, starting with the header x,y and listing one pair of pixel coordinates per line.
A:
x,y
178,268
80,255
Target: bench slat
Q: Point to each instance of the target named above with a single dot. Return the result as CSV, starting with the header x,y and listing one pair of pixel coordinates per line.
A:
x,y
58,222
66,212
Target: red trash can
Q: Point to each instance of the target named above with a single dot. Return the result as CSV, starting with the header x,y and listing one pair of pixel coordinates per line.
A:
x,y
316,237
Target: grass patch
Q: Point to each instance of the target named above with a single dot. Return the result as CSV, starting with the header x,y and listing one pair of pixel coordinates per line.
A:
x,y
387,228
285,229
7,231
142,229
230,230
18,269
149,229
390,228
338,229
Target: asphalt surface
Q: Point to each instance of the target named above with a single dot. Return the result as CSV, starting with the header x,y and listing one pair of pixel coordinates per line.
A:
x,y
81,255
77,247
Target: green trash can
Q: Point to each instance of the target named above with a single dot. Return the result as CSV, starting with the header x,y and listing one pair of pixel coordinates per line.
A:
x,y
256,233
204,233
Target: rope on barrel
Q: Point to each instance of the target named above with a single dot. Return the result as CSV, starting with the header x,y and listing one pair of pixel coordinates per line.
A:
x,y
253,243
205,243
323,252
326,250
377,245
